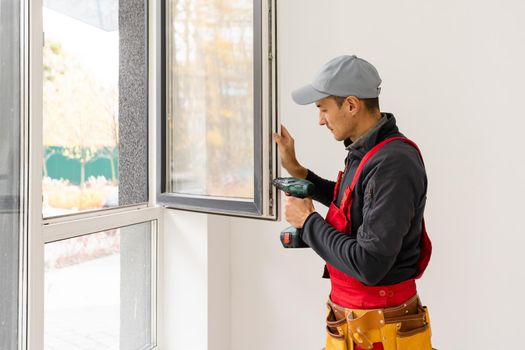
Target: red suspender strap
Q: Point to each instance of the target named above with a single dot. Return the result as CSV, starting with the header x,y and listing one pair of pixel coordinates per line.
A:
x,y
338,184
426,252
346,202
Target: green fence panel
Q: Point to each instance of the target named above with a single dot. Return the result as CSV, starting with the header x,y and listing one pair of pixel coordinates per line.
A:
x,y
60,167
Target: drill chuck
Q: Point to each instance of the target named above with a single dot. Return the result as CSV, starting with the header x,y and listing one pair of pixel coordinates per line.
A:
x,y
299,188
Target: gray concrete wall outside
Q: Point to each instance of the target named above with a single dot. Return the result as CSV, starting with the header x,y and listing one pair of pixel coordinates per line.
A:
x,y
133,103
135,241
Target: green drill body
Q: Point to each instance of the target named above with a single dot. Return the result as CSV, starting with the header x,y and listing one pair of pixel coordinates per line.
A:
x,y
300,188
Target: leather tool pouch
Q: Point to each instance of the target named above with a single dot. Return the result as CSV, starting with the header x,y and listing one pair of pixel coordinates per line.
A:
x,y
413,331
366,329
336,330
406,327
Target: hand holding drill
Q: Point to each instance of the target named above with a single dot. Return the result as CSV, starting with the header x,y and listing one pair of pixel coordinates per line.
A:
x,y
296,213
298,203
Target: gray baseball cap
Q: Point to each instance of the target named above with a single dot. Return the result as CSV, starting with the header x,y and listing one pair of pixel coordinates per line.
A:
x,y
342,76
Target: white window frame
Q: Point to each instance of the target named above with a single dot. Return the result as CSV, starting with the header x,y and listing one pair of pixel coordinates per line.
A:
x,y
41,231
38,231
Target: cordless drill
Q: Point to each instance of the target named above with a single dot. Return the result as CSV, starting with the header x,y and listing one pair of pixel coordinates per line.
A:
x,y
300,188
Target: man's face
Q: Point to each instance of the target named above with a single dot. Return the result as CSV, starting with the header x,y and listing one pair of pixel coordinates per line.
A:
x,y
336,119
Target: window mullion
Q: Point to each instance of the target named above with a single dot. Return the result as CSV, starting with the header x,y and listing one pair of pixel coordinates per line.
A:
x,y
34,176
78,227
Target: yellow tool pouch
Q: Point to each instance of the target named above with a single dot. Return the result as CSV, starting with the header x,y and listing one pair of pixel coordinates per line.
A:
x,y
337,330
414,332
405,327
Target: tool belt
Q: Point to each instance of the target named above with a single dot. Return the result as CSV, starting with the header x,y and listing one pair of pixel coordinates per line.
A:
x,y
403,327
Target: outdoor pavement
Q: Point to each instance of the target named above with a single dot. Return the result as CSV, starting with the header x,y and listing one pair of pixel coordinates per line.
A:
x,y
82,306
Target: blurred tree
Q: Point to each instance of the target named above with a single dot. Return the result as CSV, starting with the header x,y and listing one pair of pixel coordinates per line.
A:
x,y
84,154
211,111
111,130
76,112
48,153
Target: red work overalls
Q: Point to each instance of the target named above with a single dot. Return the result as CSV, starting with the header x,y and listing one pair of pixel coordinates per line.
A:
x,y
348,291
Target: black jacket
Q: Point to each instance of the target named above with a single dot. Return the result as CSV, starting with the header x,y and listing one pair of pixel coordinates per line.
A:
x,y
387,211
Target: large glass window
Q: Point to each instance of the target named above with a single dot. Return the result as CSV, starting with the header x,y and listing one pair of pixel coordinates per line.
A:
x,y
94,105
98,283
80,106
210,105
98,290
216,154
10,155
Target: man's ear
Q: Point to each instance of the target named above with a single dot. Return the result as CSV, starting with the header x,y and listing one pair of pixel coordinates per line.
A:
x,y
353,104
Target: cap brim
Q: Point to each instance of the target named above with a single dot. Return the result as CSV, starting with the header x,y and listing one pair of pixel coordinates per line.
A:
x,y
307,94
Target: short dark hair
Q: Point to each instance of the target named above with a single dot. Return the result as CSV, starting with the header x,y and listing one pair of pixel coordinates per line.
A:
x,y
370,103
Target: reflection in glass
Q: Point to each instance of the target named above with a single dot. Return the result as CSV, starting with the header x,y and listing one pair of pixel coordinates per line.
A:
x,y
98,291
10,211
80,110
210,98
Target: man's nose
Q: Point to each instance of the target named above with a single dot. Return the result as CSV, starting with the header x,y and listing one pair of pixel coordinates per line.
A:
x,y
322,120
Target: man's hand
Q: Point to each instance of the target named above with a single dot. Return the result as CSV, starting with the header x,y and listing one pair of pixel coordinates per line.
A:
x,y
286,145
296,210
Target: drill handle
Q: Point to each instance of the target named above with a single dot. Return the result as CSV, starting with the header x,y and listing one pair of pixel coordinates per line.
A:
x,y
291,238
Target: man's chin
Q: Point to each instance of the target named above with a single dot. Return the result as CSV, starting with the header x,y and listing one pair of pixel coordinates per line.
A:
x,y
337,138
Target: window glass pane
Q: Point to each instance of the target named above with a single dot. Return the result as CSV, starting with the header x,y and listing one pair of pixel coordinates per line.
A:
x,y
210,99
94,82
98,291
10,235
80,106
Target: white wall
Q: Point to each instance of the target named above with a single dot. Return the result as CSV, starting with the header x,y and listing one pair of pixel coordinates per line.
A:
x,y
194,282
453,74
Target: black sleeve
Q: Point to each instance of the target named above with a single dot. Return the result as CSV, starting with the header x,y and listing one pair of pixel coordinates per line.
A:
x,y
324,189
390,198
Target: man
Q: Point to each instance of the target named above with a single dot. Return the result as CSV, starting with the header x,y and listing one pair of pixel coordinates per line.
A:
x,y
373,238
